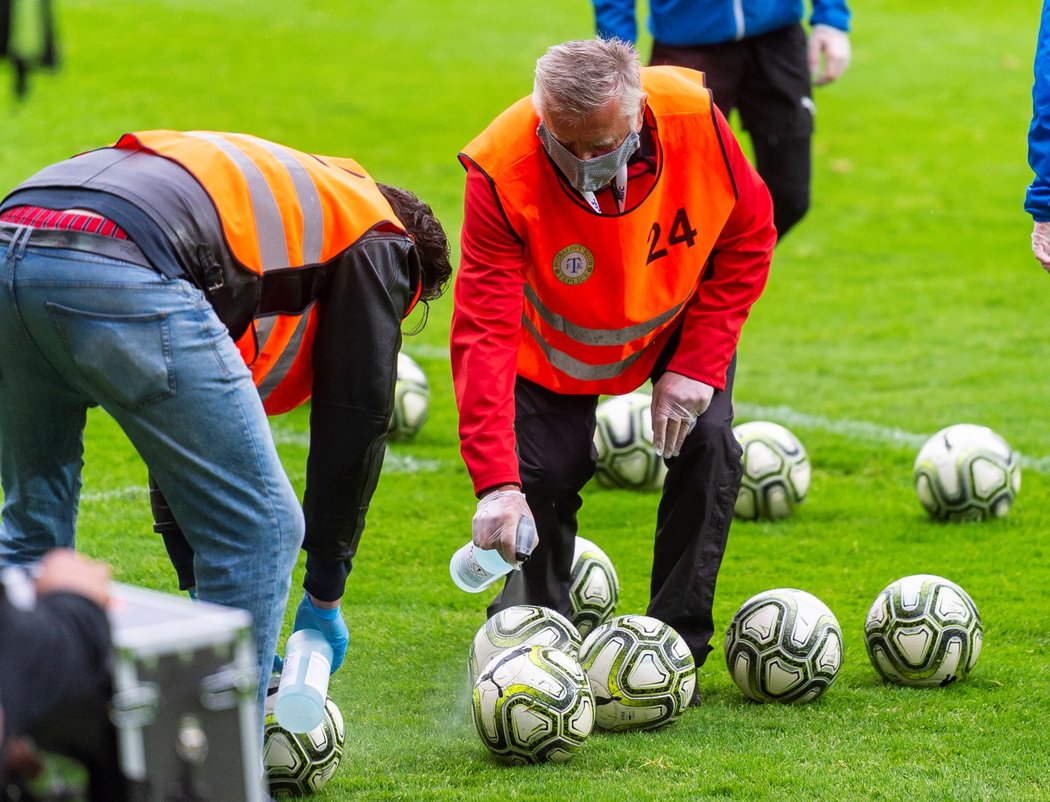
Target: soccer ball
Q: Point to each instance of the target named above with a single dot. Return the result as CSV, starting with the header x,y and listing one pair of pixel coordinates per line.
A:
x,y
776,471
783,645
967,473
594,588
623,435
301,763
532,704
641,672
923,631
521,625
411,400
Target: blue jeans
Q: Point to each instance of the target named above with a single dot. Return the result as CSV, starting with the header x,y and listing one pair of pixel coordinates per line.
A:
x,y
79,330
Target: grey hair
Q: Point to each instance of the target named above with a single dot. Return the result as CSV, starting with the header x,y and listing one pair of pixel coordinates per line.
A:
x,y
580,77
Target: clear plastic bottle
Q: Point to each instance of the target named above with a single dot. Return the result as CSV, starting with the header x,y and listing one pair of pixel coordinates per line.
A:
x,y
304,681
473,569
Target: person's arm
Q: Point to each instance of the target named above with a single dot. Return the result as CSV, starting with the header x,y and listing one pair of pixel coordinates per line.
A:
x,y
834,13
58,650
355,349
486,330
615,19
735,277
1037,199
828,49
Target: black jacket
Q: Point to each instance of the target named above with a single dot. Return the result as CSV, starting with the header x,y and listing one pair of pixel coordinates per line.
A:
x,y
361,294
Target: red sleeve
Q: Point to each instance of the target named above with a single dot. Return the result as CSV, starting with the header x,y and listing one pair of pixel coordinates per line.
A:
x,y
735,276
486,329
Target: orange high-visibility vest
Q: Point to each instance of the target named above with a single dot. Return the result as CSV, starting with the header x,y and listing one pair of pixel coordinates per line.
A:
x,y
604,293
280,209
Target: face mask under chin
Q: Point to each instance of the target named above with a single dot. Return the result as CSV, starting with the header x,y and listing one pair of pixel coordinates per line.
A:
x,y
588,175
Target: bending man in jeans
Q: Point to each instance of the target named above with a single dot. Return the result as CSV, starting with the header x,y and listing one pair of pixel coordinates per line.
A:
x,y
142,277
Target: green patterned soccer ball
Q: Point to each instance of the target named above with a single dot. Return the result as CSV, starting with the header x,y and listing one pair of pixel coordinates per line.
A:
x,y
783,645
521,625
776,471
411,400
641,672
967,473
923,631
623,436
532,704
594,587
301,763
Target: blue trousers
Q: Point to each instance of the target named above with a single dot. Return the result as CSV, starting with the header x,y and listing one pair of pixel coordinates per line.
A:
x,y
79,330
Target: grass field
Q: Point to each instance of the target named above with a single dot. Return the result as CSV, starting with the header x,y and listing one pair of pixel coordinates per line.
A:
x,y
907,300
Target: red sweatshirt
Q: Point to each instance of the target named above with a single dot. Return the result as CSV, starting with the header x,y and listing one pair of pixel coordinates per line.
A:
x,y
488,298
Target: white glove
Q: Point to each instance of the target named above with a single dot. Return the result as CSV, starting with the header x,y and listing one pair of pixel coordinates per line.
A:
x,y
677,402
832,46
498,525
1041,244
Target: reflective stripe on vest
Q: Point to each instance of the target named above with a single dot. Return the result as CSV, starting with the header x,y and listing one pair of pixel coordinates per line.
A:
x,y
284,369
604,293
574,367
269,225
280,209
586,336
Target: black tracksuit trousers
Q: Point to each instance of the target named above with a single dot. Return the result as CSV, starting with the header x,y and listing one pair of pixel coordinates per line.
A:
x,y
556,455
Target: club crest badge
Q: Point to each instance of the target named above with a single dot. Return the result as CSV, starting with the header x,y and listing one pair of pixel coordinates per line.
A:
x,y
573,264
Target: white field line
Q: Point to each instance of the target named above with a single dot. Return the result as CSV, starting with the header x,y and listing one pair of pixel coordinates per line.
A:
x,y
397,463
394,463
425,350
859,430
123,493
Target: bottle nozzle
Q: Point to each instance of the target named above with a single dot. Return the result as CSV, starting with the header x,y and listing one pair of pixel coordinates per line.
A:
x,y
525,538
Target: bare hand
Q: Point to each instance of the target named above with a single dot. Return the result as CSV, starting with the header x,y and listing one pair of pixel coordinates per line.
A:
x,y
1041,244
677,402
828,53
65,570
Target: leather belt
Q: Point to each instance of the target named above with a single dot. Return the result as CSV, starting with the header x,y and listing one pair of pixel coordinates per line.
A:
x,y
111,247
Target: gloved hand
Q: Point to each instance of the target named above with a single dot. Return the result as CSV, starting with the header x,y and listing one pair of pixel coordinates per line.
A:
x,y
832,46
677,402
495,525
1041,244
329,623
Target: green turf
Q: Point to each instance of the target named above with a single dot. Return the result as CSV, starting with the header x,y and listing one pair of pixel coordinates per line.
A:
x,y
907,300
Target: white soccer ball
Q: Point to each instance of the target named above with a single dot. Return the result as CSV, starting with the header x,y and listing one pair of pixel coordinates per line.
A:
x,y
641,672
411,400
623,436
783,645
923,631
521,625
967,473
776,471
594,587
532,704
301,763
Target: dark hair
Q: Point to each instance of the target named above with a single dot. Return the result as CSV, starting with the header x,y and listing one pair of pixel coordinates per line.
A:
x,y
430,240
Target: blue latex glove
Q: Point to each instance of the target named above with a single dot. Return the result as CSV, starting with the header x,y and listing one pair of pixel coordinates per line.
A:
x,y
329,623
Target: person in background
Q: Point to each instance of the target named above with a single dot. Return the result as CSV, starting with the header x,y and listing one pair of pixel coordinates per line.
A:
x,y
54,651
614,233
756,58
145,278
1037,199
